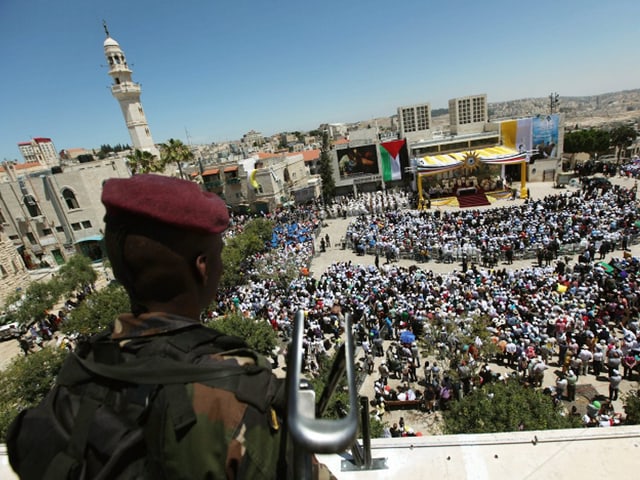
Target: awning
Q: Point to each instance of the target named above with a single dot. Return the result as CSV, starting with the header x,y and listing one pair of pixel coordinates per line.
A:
x,y
231,169
93,238
211,171
437,163
501,155
498,155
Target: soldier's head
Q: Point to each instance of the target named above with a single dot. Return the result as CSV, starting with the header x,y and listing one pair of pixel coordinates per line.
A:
x,y
164,240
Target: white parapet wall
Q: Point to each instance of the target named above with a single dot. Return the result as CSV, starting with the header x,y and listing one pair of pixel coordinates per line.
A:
x,y
551,454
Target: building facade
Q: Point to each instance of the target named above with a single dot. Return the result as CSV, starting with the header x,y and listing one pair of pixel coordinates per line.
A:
x,y
39,150
415,121
127,92
50,216
468,114
13,272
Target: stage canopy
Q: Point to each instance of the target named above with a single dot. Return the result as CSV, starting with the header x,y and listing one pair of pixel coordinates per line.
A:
x,y
499,155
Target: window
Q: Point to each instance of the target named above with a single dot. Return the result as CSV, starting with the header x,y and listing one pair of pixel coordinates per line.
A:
x,y
117,81
2,219
76,226
31,237
408,120
3,271
47,231
13,237
86,224
60,228
32,206
70,198
422,114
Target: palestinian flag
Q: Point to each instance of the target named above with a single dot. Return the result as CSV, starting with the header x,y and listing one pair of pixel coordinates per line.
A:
x,y
390,153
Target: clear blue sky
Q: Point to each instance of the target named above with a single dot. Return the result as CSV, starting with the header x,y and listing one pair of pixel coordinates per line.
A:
x,y
221,68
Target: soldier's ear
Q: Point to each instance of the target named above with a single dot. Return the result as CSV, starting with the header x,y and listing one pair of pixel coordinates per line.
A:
x,y
201,268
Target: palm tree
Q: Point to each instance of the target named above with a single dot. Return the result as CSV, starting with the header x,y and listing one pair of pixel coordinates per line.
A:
x,y
175,151
144,162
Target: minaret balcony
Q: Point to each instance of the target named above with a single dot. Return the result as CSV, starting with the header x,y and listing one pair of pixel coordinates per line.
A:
x,y
126,88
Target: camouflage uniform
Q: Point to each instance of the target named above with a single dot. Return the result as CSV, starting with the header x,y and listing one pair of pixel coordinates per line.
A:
x,y
231,438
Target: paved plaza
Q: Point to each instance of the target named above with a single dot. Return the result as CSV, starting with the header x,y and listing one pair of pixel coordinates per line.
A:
x,y
588,385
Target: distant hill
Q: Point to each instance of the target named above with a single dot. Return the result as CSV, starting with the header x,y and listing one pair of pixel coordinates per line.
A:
x,y
592,110
602,110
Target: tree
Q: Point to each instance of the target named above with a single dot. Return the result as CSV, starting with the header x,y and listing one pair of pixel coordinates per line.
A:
x,y
326,172
257,332
98,311
505,407
261,228
144,162
174,151
76,273
40,297
622,136
632,407
239,250
26,381
33,305
589,141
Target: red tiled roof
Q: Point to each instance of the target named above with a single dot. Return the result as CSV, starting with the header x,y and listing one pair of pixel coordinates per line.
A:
x,y
341,141
42,139
233,168
265,155
211,171
311,155
24,166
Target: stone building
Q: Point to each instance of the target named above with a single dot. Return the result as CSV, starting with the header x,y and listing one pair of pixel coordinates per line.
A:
x,y
50,215
13,272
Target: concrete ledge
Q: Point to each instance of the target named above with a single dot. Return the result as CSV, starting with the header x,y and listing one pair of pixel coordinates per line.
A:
x,y
549,454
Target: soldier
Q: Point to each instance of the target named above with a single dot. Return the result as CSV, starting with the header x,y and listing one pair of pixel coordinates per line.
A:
x,y
164,240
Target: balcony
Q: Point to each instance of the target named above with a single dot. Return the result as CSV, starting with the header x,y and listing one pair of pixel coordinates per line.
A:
x,y
213,184
233,181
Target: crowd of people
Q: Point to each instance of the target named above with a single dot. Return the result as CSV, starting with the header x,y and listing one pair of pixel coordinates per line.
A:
x,y
47,329
545,315
589,220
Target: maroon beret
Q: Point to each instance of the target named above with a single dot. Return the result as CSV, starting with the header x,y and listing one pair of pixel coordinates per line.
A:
x,y
169,200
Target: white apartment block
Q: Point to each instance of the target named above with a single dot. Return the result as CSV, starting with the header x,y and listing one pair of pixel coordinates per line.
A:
x,y
468,114
40,150
415,121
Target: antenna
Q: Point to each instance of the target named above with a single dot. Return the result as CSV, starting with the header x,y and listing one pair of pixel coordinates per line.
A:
x,y
106,29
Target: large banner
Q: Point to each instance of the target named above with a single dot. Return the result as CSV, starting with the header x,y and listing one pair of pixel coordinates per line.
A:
x,y
355,161
537,134
545,135
394,157
516,134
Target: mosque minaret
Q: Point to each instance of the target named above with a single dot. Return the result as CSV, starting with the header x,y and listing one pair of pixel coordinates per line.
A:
x,y
127,92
